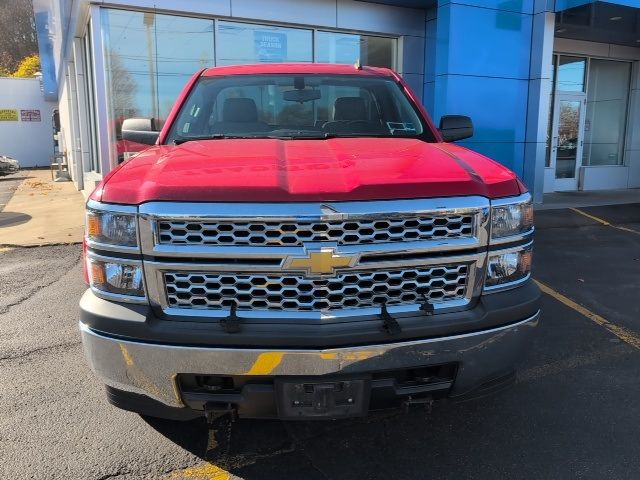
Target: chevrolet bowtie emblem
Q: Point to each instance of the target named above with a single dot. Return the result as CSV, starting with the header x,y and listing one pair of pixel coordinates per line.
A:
x,y
325,260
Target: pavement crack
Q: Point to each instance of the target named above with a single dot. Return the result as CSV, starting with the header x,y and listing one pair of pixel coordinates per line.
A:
x,y
113,475
313,464
61,346
27,295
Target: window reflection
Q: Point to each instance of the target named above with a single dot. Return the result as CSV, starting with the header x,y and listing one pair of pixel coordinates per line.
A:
x,y
607,99
148,59
547,158
568,138
332,47
240,43
570,74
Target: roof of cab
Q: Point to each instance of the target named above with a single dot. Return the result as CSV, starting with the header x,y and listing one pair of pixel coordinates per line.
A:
x,y
297,68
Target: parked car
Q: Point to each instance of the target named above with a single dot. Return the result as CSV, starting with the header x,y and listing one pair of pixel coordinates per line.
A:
x,y
299,241
8,166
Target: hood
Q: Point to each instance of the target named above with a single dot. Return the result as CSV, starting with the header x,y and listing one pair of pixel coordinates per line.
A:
x,y
272,170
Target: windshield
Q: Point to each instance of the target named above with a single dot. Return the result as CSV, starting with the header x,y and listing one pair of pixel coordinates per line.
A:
x,y
297,106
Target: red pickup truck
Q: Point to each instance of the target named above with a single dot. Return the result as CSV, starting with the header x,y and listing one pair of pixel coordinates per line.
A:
x,y
301,242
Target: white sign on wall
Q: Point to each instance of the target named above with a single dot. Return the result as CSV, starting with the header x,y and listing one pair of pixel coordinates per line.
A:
x,y
30,115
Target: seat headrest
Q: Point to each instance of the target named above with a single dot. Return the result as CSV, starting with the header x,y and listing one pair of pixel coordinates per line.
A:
x,y
239,110
349,108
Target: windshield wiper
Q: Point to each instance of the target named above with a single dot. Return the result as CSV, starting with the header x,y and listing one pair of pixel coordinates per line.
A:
x,y
215,136
327,135
223,136
312,136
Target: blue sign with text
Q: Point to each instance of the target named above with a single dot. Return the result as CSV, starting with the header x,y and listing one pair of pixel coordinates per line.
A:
x,y
270,46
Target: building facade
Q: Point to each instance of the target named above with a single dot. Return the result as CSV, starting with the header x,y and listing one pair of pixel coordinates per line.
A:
x,y
27,125
551,85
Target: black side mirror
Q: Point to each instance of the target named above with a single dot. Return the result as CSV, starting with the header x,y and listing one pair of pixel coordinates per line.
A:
x,y
140,130
455,127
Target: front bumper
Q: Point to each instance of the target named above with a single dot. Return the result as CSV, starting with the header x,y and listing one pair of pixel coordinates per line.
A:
x,y
152,369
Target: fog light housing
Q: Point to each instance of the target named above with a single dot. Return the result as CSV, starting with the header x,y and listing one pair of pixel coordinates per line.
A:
x,y
116,277
509,267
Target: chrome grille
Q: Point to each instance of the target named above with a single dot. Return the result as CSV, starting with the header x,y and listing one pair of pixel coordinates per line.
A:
x,y
297,232
352,289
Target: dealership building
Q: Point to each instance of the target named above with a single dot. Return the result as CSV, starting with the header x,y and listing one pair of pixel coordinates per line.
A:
x,y
553,86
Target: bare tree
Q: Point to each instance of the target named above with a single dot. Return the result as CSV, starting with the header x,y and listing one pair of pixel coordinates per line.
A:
x,y
123,88
17,33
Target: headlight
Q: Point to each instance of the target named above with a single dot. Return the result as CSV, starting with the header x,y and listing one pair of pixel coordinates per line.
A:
x,y
508,267
511,219
115,277
111,228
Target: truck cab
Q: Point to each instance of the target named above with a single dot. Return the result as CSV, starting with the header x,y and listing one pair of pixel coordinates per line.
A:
x,y
300,241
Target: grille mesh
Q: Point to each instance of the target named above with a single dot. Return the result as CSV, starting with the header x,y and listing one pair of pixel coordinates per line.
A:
x,y
290,233
354,289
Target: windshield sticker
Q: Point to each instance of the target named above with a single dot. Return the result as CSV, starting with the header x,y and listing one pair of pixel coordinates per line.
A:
x,y
401,127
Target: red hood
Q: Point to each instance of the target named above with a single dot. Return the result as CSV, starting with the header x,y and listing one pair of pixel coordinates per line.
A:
x,y
271,170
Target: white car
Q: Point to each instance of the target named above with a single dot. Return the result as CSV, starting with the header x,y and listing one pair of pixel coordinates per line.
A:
x,y
8,165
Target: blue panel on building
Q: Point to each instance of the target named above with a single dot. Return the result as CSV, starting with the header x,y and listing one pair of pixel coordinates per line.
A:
x,y
566,4
47,65
521,6
483,42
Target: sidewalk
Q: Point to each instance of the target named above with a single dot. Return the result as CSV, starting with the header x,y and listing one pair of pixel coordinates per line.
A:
x,y
592,198
42,212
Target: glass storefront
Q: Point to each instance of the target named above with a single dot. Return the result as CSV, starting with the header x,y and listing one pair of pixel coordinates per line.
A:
x,y
149,57
334,47
246,43
607,100
595,137
570,74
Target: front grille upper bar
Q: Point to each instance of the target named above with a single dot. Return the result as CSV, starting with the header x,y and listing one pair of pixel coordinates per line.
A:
x,y
150,213
163,258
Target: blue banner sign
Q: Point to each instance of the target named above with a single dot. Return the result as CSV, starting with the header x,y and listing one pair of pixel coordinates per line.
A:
x,y
270,46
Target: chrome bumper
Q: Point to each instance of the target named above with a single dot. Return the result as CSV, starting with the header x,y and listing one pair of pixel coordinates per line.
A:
x,y
151,369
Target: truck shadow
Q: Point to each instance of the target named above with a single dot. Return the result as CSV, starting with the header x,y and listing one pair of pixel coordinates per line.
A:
x,y
256,449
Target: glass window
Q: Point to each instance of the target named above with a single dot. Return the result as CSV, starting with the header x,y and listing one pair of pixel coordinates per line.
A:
x,y
607,99
183,46
334,47
570,75
297,106
547,158
148,59
240,43
90,112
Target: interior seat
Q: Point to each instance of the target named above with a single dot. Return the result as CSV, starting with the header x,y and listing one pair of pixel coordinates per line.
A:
x,y
350,116
239,115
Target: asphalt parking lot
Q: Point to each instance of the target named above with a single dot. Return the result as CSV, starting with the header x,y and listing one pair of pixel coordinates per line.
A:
x,y
573,412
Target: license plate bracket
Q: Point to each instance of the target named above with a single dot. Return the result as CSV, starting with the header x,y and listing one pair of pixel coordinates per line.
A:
x,y
309,398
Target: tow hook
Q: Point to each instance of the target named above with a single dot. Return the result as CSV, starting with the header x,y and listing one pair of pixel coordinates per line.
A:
x,y
231,324
215,410
389,324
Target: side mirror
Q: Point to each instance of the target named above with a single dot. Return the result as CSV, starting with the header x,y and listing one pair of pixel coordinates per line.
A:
x,y
140,130
455,127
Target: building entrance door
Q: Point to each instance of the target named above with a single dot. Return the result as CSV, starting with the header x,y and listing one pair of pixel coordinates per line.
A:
x,y
567,139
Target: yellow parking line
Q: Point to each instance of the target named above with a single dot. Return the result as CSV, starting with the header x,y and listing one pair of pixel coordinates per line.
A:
x,y
207,471
622,333
604,222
